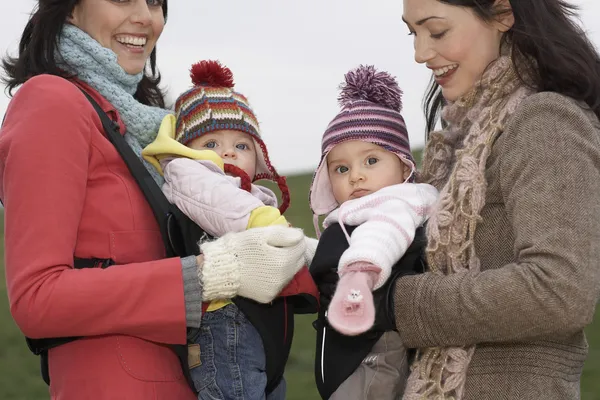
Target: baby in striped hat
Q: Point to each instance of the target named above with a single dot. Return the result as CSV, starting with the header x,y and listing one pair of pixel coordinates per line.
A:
x,y
365,183
211,154
215,126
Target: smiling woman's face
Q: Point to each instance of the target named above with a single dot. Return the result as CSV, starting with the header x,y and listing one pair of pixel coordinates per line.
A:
x,y
453,42
130,28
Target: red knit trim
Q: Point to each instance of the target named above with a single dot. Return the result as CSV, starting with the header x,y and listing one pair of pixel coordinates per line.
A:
x,y
285,193
259,177
246,183
270,167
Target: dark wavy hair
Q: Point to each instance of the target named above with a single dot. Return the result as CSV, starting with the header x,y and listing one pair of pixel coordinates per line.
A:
x,y
558,55
38,44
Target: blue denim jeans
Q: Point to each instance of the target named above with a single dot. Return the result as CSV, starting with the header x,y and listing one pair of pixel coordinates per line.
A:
x,y
232,359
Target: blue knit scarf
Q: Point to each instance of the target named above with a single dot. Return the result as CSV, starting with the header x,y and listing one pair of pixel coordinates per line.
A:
x,y
79,54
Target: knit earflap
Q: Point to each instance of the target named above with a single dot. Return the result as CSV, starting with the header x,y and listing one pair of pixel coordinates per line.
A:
x,y
371,102
212,105
366,83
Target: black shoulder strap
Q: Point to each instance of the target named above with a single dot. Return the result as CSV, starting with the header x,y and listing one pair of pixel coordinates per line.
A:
x,y
162,209
166,216
152,192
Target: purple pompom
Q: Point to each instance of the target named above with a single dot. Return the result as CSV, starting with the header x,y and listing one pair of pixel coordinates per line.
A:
x,y
366,83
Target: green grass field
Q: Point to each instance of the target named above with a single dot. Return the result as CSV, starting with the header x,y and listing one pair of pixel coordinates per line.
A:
x,y
19,369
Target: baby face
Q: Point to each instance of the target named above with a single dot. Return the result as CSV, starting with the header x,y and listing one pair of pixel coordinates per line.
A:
x,y
358,168
234,147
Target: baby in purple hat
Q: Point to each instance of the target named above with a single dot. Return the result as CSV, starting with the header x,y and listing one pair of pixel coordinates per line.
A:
x,y
365,185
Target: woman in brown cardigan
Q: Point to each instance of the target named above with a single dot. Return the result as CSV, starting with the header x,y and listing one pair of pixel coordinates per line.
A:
x,y
514,246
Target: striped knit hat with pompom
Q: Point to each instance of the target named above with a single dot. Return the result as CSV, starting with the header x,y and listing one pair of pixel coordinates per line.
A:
x,y
212,105
371,103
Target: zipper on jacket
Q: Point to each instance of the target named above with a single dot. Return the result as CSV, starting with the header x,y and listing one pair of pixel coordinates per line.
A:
x,y
323,352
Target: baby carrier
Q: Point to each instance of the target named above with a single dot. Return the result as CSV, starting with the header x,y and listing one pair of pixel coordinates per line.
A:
x,y
180,237
337,355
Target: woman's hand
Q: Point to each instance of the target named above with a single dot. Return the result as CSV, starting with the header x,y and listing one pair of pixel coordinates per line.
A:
x,y
257,263
385,320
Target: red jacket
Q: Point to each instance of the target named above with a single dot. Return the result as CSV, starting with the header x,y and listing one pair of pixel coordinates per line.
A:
x,y
67,192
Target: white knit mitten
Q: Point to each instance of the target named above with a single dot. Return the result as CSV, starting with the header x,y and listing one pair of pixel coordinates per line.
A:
x,y
257,263
311,248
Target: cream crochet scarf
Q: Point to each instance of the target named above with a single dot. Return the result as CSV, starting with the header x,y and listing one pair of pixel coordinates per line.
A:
x,y
454,162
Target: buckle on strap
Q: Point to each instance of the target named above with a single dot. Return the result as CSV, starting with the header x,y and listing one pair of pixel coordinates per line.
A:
x,y
81,263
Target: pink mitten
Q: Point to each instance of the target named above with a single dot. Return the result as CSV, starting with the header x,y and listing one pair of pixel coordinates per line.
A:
x,y
351,311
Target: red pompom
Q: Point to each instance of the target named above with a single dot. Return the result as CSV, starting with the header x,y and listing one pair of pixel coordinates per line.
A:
x,y
211,73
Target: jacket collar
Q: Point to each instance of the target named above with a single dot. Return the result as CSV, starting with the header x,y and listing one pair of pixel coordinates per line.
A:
x,y
107,107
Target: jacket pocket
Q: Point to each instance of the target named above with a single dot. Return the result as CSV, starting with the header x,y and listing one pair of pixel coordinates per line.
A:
x,y
205,375
148,361
136,246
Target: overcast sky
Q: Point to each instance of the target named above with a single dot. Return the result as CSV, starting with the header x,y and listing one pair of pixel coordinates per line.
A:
x,y
287,57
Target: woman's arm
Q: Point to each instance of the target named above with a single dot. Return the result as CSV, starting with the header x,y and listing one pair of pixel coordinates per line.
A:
x,y
44,155
550,180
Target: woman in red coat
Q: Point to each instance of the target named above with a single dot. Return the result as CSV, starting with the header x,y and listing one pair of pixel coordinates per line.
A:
x,y
67,193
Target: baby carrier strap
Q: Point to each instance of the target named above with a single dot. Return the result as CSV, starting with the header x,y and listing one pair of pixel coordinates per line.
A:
x,y
40,347
181,236
337,355
178,241
168,216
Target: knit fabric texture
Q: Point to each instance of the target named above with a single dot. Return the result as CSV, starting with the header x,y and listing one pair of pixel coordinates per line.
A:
x,y
235,263
82,56
203,109
370,122
211,105
371,105
539,279
386,222
475,120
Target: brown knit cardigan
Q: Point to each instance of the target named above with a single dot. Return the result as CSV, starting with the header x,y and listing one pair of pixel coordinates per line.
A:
x,y
539,246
